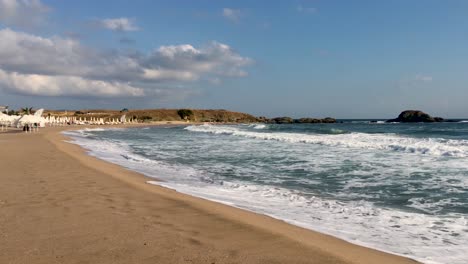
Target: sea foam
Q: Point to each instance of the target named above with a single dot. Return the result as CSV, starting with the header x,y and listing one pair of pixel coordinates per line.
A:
x,y
428,146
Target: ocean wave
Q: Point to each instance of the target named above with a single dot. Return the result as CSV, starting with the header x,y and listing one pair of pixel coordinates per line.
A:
x,y
258,126
432,207
84,131
337,131
413,234
93,129
392,142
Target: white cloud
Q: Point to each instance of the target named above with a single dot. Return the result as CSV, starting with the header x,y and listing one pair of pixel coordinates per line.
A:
x,y
233,15
164,74
30,54
58,66
213,59
22,13
307,10
119,24
44,85
423,78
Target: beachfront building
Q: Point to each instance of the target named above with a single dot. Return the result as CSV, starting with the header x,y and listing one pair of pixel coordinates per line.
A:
x,y
4,109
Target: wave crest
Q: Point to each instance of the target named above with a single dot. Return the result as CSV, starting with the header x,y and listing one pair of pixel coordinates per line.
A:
x,y
392,142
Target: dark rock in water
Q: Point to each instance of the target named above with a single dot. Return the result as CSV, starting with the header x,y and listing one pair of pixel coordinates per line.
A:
x,y
282,120
415,116
307,120
328,120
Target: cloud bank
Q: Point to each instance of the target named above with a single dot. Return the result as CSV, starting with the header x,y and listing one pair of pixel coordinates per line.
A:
x,y
57,66
46,85
23,13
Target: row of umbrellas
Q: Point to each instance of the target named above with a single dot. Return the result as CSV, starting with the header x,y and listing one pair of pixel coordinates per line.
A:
x,y
39,121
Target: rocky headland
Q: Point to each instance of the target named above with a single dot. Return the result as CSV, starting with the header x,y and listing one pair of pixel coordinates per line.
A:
x,y
158,115
189,115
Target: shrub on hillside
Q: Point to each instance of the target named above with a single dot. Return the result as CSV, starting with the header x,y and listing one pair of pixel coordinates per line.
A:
x,y
185,113
145,118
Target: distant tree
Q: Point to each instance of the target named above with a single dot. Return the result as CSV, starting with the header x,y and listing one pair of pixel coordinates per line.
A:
x,y
124,110
145,118
185,113
79,113
26,110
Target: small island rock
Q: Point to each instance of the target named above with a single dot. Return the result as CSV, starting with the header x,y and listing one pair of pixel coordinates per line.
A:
x,y
415,116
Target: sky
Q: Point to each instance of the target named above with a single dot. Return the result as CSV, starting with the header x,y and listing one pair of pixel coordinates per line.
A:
x,y
316,58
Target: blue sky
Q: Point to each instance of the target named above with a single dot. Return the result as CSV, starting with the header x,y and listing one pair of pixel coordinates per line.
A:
x,y
346,59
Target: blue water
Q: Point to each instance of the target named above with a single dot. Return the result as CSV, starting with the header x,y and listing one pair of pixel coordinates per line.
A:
x,y
401,188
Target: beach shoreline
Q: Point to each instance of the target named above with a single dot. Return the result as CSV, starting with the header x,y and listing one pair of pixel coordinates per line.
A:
x,y
129,203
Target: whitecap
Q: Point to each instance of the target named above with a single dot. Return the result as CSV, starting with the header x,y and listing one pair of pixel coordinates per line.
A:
x,y
425,146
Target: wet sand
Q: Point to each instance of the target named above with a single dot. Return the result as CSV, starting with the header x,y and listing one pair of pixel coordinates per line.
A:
x,y
59,205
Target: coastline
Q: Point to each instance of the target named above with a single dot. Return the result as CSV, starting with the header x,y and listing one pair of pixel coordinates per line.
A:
x,y
119,199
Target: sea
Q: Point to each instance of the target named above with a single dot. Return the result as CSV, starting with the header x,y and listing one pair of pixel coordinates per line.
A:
x,y
399,188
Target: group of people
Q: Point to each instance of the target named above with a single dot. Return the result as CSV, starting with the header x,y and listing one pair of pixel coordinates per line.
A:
x,y
30,127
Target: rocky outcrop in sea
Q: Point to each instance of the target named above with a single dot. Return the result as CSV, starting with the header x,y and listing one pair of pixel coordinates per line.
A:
x,y
415,116
305,120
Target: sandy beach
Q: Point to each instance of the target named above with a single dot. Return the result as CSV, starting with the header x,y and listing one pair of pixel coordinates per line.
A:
x,y
59,205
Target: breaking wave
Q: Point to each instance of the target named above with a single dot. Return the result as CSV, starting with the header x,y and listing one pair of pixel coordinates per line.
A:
x,y
392,142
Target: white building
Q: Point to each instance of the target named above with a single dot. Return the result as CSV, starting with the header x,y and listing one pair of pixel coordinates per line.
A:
x,y
3,109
